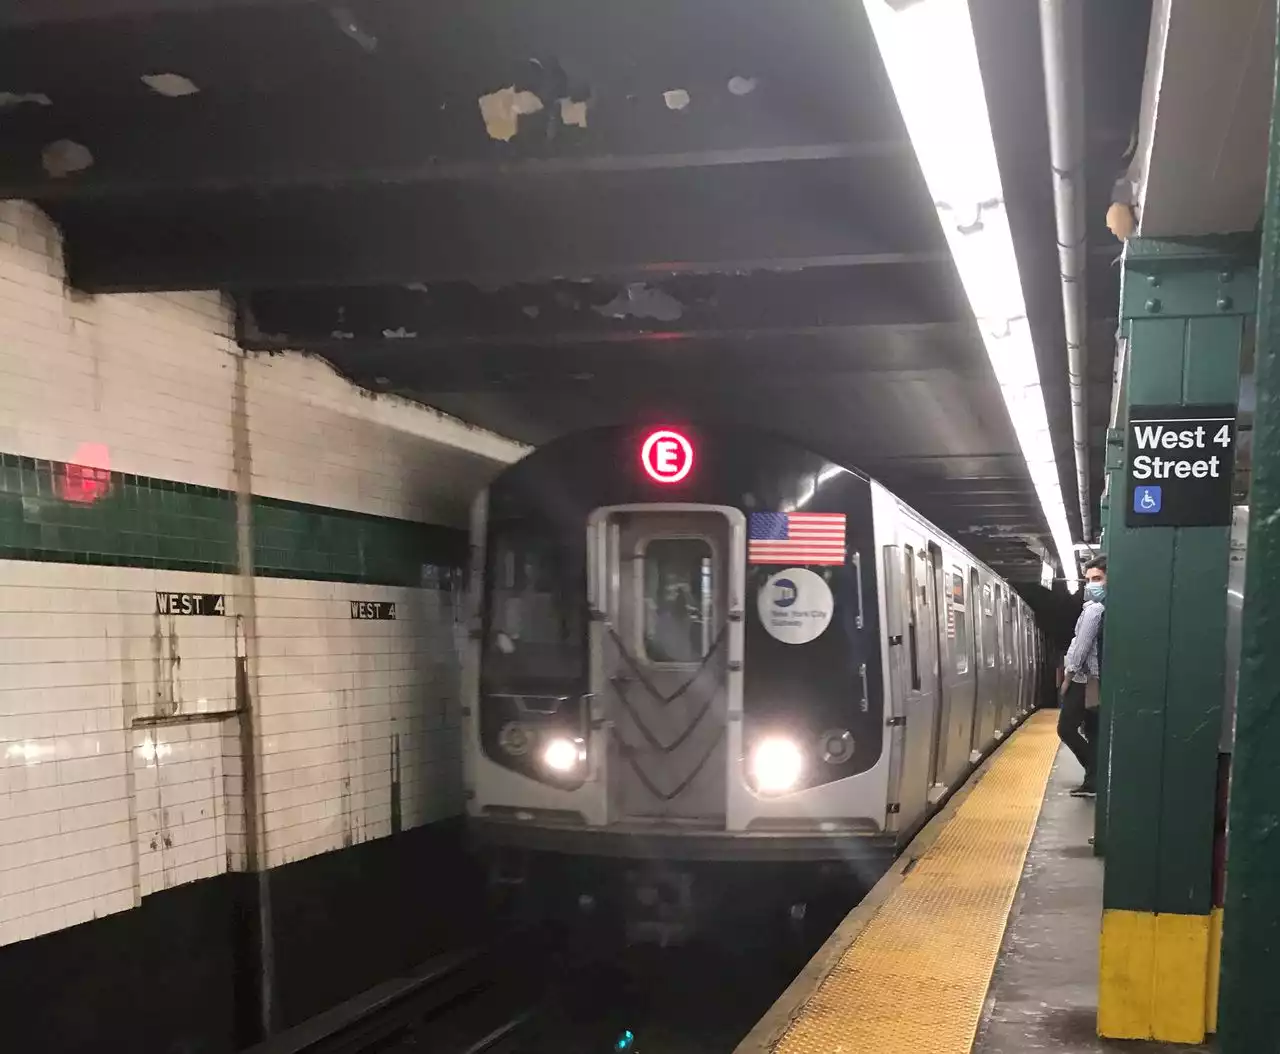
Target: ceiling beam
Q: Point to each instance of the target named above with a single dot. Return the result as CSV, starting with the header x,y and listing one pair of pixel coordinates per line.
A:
x,y
145,159
915,311
701,368
38,12
742,218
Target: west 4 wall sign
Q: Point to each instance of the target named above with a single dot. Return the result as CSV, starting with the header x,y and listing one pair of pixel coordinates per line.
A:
x,y
1181,460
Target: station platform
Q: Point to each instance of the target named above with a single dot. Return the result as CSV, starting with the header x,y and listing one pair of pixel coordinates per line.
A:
x,y
983,937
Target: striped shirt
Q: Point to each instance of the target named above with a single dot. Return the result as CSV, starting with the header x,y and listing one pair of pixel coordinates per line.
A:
x,y
1082,657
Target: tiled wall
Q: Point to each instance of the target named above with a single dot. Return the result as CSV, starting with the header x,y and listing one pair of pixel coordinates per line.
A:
x,y
68,513
120,762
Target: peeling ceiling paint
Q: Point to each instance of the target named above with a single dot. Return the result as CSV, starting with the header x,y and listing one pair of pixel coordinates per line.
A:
x,y
742,85
638,300
34,98
676,99
63,157
573,112
503,109
172,85
346,22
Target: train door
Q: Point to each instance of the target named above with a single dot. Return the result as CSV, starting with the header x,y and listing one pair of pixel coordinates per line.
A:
x,y
958,672
1012,657
1032,662
942,633
1024,658
985,626
661,659
1003,692
915,672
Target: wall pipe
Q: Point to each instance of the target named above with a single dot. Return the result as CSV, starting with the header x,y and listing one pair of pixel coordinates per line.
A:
x,y
1061,32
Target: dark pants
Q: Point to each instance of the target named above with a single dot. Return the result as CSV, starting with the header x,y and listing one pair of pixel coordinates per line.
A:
x,y
1073,720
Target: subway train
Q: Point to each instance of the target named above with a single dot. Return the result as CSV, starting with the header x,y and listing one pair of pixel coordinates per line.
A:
x,y
710,669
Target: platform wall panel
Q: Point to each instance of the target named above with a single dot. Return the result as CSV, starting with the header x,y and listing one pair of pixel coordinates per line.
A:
x,y
131,426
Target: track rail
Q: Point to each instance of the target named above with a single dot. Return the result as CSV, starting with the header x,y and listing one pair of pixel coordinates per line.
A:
x,y
461,1003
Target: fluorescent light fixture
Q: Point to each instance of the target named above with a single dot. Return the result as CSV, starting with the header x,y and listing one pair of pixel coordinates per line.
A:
x,y
932,60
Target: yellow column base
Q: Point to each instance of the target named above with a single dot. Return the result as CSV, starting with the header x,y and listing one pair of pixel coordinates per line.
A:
x,y
1155,977
1215,968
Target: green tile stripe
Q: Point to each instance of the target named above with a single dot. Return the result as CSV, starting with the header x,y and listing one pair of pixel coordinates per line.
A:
x,y
58,512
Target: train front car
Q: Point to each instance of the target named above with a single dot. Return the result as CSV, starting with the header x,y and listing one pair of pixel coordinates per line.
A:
x,y
676,693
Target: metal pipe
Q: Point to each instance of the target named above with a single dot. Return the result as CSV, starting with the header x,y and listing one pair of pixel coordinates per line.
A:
x,y
1061,29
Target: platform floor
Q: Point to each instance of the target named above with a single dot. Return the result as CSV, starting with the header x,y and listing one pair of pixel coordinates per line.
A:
x,y
982,939
1044,993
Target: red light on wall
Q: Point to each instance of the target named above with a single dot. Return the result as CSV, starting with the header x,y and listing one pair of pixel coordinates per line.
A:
x,y
667,456
87,478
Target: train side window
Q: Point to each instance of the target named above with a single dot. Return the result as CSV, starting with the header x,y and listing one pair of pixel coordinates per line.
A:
x,y
678,600
909,567
990,640
961,616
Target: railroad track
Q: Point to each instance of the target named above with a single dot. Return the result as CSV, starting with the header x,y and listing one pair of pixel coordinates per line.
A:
x,y
467,1002
535,992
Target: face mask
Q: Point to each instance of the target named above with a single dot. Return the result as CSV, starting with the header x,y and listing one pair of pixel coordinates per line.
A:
x,y
1096,590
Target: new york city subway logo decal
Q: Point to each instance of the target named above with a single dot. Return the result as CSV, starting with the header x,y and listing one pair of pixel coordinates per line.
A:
x,y
666,456
795,605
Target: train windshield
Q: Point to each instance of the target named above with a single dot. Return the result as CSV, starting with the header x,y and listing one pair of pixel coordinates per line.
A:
x,y
535,610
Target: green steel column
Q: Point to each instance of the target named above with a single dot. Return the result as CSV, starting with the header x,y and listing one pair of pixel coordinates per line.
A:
x,y
1112,519
1249,1016
1185,306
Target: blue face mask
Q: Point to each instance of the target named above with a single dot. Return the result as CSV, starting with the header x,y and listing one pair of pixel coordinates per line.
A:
x,y
1096,591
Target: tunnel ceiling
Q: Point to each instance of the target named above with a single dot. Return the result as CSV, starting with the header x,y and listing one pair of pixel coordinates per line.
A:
x,y
541,216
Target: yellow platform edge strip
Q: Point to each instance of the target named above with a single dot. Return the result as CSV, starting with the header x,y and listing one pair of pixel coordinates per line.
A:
x,y
916,977
1158,976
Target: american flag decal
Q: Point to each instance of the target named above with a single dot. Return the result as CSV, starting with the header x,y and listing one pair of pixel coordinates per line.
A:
x,y
795,538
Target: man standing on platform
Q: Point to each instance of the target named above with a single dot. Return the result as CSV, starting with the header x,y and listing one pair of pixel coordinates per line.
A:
x,y
1078,718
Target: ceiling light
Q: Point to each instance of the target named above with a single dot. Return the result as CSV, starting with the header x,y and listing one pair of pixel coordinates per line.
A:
x,y
932,60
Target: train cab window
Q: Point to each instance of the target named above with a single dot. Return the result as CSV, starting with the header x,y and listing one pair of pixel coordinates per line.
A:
x,y
678,600
534,612
961,616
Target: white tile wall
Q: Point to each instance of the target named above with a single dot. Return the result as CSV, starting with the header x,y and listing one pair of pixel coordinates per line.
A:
x,y
84,792
348,450
343,702
144,383
100,804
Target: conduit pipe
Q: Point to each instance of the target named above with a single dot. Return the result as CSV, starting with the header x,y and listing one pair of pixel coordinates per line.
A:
x,y
1061,32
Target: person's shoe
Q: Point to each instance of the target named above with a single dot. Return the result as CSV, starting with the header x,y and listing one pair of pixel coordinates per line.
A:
x,y
1085,790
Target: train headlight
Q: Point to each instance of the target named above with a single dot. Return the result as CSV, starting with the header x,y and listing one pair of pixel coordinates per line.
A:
x,y
776,765
563,755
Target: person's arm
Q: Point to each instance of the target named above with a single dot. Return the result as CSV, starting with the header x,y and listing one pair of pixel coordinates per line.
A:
x,y
1082,644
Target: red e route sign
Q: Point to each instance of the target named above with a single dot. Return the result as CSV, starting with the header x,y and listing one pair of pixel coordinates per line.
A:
x,y
667,456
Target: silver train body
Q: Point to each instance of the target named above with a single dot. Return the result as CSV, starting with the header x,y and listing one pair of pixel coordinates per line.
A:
x,y
807,714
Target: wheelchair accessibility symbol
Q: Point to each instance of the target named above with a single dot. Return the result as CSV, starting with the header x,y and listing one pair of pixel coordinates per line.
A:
x,y
1146,500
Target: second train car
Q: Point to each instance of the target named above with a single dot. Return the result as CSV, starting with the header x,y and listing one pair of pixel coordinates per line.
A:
x,y
708,666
